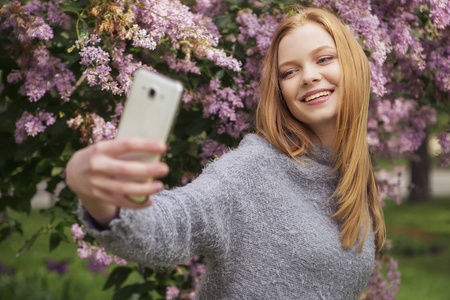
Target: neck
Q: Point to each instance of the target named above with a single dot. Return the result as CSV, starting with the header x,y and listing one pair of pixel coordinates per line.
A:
x,y
324,135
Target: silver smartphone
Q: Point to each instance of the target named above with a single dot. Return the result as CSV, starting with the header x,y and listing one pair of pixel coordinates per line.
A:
x,y
149,112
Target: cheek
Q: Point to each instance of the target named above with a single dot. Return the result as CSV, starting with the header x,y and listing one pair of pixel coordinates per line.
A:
x,y
288,91
335,75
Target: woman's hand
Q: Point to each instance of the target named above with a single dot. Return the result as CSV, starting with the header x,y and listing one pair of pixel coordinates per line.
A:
x,y
96,175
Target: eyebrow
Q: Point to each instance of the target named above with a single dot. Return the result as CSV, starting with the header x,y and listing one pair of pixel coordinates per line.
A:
x,y
318,49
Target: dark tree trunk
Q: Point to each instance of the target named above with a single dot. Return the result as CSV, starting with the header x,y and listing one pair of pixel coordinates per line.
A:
x,y
420,175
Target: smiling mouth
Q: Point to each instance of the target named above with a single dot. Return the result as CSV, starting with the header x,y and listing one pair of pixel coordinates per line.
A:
x,y
316,95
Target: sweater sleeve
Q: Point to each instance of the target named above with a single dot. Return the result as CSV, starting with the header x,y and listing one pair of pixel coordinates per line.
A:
x,y
183,222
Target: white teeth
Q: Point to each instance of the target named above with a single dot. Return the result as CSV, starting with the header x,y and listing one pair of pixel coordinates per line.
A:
x,y
319,94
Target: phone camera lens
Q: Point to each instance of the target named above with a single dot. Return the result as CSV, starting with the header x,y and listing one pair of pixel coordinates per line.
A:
x,y
152,93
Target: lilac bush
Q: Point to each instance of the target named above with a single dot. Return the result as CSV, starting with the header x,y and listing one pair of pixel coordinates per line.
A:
x,y
67,68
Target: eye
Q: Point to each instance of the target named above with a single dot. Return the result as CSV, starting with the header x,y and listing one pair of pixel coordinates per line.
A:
x,y
324,59
287,74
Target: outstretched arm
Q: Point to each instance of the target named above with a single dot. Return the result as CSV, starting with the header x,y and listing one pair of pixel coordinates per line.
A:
x,y
98,176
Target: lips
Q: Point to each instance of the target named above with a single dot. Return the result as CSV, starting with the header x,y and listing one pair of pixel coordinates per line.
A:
x,y
315,95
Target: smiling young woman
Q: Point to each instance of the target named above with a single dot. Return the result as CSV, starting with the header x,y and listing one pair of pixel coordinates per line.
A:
x,y
292,213
309,79
331,60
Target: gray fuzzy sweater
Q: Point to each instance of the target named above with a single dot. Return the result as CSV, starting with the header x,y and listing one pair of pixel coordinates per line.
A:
x,y
262,222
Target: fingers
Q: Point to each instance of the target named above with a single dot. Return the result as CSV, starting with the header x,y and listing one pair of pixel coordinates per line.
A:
x,y
102,180
118,200
121,146
124,187
123,168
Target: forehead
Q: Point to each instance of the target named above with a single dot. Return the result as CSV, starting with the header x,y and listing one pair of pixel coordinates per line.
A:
x,y
304,39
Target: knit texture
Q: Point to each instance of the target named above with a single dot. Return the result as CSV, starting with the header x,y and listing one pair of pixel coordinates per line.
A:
x,y
262,222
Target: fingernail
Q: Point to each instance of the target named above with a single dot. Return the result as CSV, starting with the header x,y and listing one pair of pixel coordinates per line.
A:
x,y
163,169
161,146
158,186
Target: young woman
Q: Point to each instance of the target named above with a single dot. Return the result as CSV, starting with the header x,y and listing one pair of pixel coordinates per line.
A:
x,y
292,213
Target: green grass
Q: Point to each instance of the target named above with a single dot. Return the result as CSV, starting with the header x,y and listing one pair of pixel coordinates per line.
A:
x,y
32,279
420,236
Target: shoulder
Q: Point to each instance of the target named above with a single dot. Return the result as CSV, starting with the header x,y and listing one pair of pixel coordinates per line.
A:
x,y
252,150
256,157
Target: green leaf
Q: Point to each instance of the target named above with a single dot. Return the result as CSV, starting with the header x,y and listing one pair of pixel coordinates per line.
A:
x,y
223,21
126,292
27,148
28,243
84,28
22,204
219,74
4,233
54,241
117,277
146,287
197,127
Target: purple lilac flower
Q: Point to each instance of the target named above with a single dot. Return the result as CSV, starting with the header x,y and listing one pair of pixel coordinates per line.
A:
x,y
211,148
182,65
7,270
96,267
142,39
440,14
261,28
97,256
172,292
93,55
102,130
77,232
31,25
210,8
32,125
390,184
59,267
403,121
384,287
42,72
444,155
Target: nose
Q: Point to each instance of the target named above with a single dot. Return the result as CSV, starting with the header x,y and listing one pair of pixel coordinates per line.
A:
x,y
311,75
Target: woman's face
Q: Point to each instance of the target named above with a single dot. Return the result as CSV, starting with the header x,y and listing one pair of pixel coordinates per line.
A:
x,y
308,70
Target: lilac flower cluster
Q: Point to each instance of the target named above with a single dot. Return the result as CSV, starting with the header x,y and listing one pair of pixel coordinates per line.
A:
x,y
94,128
228,105
196,271
261,29
96,255
210,8
7,270
42,73
390,184
444,155
156,22
126,67
383,287
31,125
211,148
187,31
397,128
97,60
185,65
438,64
59,267
26,21
439,13
172,292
